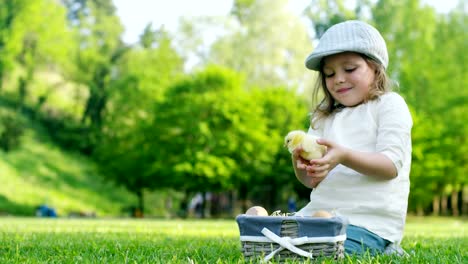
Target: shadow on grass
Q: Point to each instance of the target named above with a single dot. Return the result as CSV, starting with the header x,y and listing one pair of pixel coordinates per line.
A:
x,y
42,164
8,207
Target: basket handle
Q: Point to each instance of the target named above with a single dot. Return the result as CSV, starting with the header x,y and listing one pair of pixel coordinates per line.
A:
x,y
284,242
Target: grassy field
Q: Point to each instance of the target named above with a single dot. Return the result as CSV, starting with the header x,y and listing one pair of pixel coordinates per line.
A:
x,y
39,172
30,240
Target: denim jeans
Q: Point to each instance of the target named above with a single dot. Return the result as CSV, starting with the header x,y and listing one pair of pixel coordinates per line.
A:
x,y
359,240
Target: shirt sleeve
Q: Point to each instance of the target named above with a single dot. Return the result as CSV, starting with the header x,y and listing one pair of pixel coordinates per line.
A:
x,y
394,129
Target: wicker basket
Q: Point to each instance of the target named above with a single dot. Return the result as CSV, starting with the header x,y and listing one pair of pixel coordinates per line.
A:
x,y
291,237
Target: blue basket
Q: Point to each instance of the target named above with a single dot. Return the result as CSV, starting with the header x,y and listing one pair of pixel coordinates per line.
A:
x,y
291,237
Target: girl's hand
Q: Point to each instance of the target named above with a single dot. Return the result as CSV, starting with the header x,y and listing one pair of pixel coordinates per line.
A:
x,y
372,164
318,169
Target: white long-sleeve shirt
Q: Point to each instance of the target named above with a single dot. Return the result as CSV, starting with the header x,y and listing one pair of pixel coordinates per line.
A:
x,y
384,126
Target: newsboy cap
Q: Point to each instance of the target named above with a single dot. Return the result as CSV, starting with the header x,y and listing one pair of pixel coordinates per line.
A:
x,y
351,35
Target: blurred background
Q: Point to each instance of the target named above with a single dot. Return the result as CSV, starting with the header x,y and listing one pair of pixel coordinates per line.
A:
x,y
157,109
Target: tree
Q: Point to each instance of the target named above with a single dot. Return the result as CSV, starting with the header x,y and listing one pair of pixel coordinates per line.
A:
x,y
324,14
268,46
285,110
143,76
209,134
449,108
424,59
34,35
99,48
10,44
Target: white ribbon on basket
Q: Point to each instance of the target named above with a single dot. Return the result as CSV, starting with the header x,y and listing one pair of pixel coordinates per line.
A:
x,y
285,242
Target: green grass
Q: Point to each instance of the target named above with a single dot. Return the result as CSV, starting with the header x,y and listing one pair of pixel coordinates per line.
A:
x,y
29,240
39,172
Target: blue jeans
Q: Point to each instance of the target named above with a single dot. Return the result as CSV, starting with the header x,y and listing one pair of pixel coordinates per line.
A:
x,y
359,240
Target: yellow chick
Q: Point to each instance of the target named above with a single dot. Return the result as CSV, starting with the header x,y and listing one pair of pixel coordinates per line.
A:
x,y
311,149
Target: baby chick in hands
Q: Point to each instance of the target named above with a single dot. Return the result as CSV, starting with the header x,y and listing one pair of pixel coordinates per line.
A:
x,y
310,148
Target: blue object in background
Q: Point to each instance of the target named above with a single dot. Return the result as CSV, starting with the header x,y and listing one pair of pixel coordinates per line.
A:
x,y
45,211
292,205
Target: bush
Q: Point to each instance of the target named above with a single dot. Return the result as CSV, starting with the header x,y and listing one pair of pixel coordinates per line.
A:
x,y
69,133
11,129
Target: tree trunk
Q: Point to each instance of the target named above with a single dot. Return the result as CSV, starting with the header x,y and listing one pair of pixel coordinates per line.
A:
x,y
203,205
436,205
419,210
243,196
464,201
444,205
24,82
233,205
183,206
1,77
140,208
454,203
94,108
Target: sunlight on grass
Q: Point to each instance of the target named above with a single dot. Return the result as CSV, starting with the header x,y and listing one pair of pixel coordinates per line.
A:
x,y
176,228
436,227
40,173
34,240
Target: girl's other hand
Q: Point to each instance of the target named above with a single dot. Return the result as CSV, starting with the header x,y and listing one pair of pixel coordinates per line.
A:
x,y
318,169
300,162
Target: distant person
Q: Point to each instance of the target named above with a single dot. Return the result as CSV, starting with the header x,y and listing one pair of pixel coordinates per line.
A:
x,y
292,205
196,205
45,211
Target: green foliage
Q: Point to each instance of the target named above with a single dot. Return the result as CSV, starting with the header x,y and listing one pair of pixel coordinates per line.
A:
x,y
432,78
11,129
123,148
69,133
266,55
425,60
323,14
150,125
428,240
10,43
285,110
98,48
33,35
209,130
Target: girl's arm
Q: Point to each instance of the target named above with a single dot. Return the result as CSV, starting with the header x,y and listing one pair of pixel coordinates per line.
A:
x,y
394,139
311,173
373,164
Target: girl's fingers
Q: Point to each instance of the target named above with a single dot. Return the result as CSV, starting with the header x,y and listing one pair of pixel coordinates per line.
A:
x,y
318,168
300,165
317,175
322,168
319,162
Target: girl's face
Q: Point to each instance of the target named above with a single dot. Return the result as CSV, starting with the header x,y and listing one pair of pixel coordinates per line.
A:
x,y
348,77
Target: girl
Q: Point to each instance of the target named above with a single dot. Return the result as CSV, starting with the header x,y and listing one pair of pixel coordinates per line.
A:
x,y
366,128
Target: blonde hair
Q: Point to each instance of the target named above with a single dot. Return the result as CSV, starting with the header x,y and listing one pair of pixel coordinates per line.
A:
x,y
382,84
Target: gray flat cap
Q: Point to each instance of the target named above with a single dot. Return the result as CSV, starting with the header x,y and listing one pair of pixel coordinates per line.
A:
x,y
352,35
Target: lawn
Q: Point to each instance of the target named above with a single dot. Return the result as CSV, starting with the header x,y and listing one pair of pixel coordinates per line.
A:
x,y
31,240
